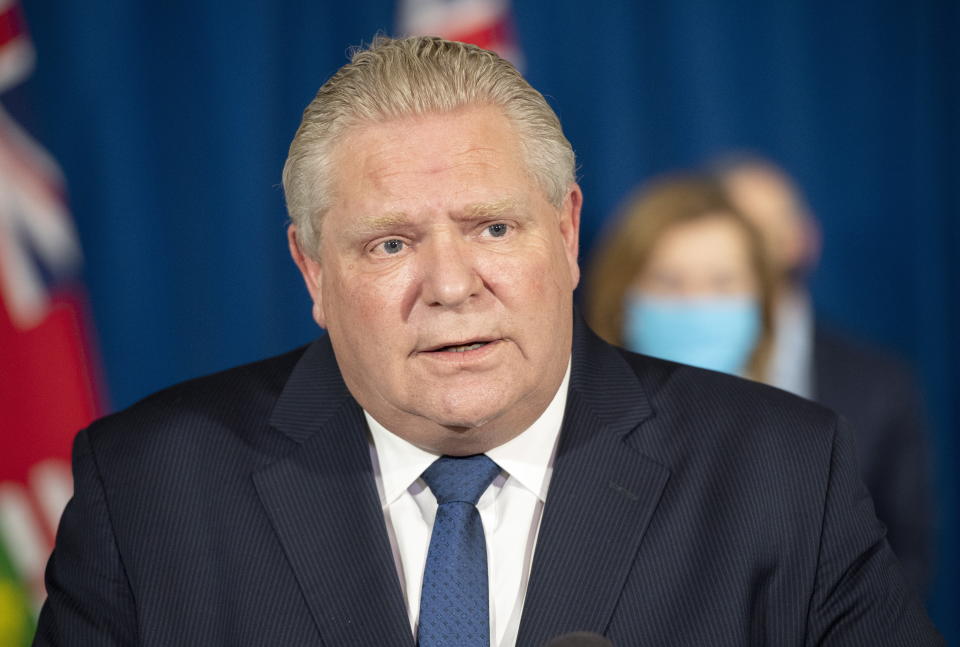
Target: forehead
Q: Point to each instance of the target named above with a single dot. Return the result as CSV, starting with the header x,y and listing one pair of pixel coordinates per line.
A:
x,y
709,241
471,155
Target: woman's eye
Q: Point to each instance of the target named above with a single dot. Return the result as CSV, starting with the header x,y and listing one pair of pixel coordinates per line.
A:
x,y
497,230
392,246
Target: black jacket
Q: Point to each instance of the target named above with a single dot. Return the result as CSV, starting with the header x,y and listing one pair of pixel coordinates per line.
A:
x,y
686,508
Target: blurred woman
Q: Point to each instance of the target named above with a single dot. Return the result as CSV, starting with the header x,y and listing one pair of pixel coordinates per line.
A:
x,y
682,275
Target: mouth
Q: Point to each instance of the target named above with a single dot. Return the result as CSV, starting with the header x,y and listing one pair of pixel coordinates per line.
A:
x,y
460,347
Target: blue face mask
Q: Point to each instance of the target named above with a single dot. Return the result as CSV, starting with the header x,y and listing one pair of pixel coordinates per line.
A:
x,y
718,333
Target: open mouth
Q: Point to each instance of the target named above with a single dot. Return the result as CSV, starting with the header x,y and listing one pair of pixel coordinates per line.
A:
x,y
461,348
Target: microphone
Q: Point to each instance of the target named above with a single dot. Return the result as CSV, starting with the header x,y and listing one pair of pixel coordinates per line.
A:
x,y
579,639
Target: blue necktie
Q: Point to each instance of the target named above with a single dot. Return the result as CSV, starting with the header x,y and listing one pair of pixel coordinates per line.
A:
x,y
454,604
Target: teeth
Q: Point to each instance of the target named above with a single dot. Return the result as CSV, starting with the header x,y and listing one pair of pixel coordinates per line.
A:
x,y
466,347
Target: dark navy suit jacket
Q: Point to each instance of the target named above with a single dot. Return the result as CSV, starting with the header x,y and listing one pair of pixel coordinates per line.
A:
x,y
880,398
686,508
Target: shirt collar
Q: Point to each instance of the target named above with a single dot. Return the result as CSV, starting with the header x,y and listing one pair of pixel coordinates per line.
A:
x,y
401,462
528,457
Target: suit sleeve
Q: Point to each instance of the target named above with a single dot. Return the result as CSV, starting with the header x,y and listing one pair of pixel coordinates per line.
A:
x,y
89,599
861,596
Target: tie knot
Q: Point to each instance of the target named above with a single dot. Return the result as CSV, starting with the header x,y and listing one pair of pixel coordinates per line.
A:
x,y
460,478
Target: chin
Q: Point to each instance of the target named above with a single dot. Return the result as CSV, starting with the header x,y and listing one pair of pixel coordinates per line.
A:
x,y
462,413
465,426
461,421
461,395
457,440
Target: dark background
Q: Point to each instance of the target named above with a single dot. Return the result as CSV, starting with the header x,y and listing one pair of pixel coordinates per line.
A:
x,y
171,121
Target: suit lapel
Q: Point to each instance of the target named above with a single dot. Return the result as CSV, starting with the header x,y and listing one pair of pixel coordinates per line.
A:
x,y
323,504
602,495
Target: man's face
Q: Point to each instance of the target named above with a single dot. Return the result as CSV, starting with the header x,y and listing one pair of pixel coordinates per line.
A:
x,y
445,279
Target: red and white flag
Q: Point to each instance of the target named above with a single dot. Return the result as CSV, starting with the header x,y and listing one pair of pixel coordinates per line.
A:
x,y
485,23
48,388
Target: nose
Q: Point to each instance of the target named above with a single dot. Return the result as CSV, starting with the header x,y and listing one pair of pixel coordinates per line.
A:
x,y
450,277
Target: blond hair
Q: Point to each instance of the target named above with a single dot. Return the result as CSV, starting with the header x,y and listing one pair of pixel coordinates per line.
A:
x,y
623,255
396,78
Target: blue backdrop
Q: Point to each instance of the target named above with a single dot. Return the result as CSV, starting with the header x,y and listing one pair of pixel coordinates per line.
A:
x,y
171,121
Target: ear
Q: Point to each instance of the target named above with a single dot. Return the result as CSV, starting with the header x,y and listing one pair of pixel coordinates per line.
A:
x,y
570,229
312,273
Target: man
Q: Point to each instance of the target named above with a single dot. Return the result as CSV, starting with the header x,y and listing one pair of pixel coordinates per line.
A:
x,y
307,499
876,393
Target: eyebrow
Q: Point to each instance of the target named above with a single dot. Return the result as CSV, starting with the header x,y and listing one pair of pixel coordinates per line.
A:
x,y
491,210
390,220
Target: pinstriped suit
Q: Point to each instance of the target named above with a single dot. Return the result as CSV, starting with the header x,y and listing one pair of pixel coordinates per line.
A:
x,y
686,508
881,399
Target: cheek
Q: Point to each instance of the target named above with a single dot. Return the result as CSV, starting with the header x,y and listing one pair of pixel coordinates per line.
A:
x,y
365,305
737,279
511,276
750,286
530,280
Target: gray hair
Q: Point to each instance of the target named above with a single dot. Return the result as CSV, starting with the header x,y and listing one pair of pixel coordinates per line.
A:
x,y
413,76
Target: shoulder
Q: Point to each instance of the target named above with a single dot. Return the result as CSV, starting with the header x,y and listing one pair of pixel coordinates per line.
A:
x,y
243,391
747,462
204,414
867,384
692,410
708,420
838,356
671,386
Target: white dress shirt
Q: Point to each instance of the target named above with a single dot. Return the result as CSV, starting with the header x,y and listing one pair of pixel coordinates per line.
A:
x,y
791,362
510,510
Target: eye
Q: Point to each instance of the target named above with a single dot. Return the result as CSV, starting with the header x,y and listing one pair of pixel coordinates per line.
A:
x,y
498,230
392,246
